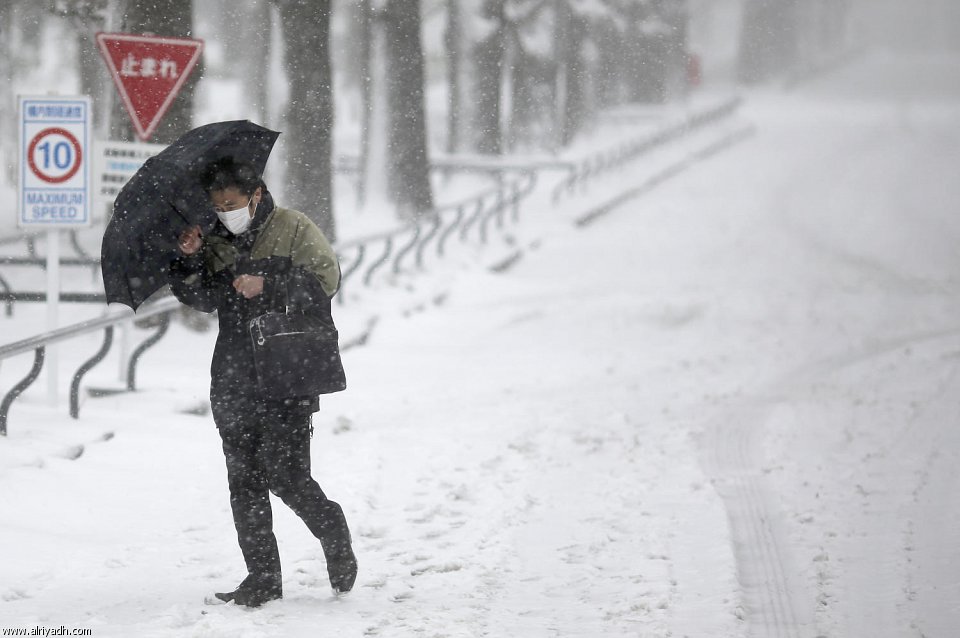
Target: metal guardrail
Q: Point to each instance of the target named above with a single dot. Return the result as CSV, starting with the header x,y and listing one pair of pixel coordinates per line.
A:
x,y
664,174
69,297
31,240
471,216
474,212
577,173
396,245
8,296
42,262
38,344
630,150
463,218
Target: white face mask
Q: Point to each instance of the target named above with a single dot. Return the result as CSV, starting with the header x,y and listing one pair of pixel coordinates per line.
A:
x,y
238,220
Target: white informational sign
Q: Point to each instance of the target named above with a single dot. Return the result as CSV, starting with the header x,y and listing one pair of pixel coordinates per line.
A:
x,y
114,163
54,176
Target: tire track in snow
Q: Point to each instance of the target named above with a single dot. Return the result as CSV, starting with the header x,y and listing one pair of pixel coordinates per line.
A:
x,y
776,600
772,595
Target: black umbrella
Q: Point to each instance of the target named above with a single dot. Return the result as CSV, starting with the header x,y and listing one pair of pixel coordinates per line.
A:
x,y
163,198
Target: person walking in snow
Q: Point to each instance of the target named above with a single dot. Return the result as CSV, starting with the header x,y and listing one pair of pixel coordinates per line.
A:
x,y
257,258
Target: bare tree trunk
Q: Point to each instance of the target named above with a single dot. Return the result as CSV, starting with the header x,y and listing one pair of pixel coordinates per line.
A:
x,y
610,55
489,54
530,60
570,31
409,159
309,116
87,17
530,82
8,126
375,142
650,37
396,167
768,42
677,20
21,29
248,51
259,77
452,38
580,90
93,80
472,25
364,34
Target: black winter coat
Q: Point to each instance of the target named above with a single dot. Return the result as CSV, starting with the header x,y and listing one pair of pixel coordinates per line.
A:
x,y
299,268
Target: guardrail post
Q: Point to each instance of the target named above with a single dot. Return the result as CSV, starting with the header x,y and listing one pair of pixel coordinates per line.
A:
x,y
143,347
483,222
468,223
437,222
20,387
86,367
387,249
9,302
361,249
501,205
449,230
403,251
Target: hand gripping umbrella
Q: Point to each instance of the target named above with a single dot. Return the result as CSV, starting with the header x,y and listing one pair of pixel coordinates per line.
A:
x,y
164,198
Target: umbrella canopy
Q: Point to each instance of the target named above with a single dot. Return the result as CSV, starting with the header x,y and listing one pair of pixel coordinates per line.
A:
x,y
164,198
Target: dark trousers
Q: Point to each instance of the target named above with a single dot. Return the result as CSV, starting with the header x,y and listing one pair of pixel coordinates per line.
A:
x,y
267,449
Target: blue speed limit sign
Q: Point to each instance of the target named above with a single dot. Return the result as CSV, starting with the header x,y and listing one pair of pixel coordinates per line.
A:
x,y
55,169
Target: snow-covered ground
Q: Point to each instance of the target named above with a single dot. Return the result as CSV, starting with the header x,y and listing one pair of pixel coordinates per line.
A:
x,y
726,407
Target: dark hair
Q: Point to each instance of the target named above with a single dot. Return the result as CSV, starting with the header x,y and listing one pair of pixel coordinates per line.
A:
x,y
225,173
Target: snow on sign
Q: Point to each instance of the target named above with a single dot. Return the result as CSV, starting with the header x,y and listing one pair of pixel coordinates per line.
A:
x,y
54,175
149,71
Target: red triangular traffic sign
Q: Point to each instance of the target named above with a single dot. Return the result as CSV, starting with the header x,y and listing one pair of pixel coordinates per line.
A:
x,y
149,71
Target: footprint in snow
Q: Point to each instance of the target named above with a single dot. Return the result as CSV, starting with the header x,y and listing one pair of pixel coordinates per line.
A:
x,y
14,594
436,569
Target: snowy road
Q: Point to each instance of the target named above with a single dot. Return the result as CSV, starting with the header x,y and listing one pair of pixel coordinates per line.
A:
x,y
725,408
836,449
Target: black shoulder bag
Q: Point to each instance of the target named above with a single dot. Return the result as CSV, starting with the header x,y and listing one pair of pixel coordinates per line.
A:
x,y
296,354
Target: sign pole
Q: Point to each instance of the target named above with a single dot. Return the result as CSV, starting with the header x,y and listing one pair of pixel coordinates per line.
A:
x,y
53,309
124,350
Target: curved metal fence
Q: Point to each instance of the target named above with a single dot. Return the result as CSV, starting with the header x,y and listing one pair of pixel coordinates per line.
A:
x,y
410,243
38,345
629,150
398,249
368,256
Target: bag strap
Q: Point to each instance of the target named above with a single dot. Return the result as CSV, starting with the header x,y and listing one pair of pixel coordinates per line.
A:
x,y
286,295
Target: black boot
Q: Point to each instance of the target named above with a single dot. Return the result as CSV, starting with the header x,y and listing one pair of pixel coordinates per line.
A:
x,y
342,569
341,561
254,591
